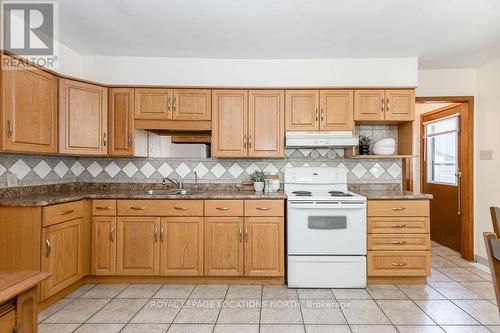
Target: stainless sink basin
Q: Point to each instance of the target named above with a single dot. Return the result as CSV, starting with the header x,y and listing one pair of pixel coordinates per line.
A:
x,y
175,191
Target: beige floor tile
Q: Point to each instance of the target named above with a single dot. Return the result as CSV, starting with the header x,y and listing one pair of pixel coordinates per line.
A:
x,y
199,311
482,310
104,291
345,294
239,311
444,312
279,292
77,311
460,262
419,329
57,328
53,309
454,290
175,291
282,329
361,312
385,292
322,312
280,312
446,252
80,291
99,328
315,294
442,262
494,329
485,275
401,312
460,274
465,329
139,291
191,328
145,328
118,311
484,289
373,329
327,329
236,328
214,291
437,276
159,311
420,292
244,291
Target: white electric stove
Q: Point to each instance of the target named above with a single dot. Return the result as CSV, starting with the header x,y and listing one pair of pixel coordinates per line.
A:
x,y
326,230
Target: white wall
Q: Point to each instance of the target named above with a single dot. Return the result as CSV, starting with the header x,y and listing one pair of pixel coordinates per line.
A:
x,y
446,82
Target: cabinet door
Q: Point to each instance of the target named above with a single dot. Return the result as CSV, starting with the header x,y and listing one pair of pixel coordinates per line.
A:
x,y
229,123
369,105
181,249
266,123
138,250
400,105
103,245
264,244
121,121
83,118
29,103
8,321
337,110
153,103
191,104
223,246
62,255
302,110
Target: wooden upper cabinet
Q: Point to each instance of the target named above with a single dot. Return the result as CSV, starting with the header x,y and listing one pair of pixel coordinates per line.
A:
x,y
138,250
400,105
121,122
83,118
266,123
153,103
191,104
369,105
302,110
229,123
103,245
336,110
181,246
29,104
223,246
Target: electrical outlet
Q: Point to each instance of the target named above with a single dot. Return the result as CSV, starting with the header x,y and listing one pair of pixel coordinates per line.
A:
x,y
11,180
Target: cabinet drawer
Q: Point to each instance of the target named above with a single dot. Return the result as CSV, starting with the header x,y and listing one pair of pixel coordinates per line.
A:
x,y
398,242
398,207
264,208
104,207
223,207
398,263
62,212
160,207
398,225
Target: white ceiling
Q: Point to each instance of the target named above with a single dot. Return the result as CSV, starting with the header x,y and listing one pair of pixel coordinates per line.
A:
x,y
442,33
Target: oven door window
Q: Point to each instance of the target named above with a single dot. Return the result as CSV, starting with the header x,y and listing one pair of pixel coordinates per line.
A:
x,y
327,222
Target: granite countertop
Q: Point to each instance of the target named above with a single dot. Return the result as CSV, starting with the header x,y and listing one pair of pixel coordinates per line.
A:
x,y
392,195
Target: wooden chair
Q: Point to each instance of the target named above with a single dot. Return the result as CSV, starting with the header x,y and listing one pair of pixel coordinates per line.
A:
x,y
491,241
495,219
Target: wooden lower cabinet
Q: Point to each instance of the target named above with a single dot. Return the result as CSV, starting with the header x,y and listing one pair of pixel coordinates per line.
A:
x,y
7,319
103,245
223,246
138,247
181,249
264,246
62,255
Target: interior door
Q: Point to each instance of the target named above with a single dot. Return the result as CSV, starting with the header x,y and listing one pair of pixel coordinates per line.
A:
x,y
441,174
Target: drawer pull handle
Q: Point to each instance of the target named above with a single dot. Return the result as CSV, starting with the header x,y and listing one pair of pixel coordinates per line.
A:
x,y
138,208
241,235
398,209
181,208
399,225
49,247
112,234
223,208
103,207
399,264
155,235
66,212
399,242
162,232
263,208
246,235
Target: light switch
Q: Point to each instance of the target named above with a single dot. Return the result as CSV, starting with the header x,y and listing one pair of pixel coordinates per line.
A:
x,y
486,155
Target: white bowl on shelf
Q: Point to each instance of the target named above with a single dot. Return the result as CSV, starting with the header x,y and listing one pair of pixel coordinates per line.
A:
x,y
384,150
385,143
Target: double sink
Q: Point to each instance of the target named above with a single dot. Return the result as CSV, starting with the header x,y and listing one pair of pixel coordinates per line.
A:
x,y
175,191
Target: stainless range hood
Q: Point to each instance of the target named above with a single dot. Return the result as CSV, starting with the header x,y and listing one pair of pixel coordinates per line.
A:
x,y
320,139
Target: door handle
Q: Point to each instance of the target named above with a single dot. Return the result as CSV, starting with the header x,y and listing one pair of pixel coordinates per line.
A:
x,y
249,141
398,209
138,208
168,103
162,231
174,104
103,207
398,242
223,208
398,264
459,192
9,129
399,225
49,247
316,114
130,140
112,234
241,235
155,235
105,139
387,105
246,235
244,140
263,208
66,212
322,115
383,106
181,208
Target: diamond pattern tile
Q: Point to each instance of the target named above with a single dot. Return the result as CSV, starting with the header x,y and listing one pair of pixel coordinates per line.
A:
x,y
201,170
218,170
376,170
394,170
112,169
61,169
165,170
235,170
77,168
183,170
359,170
252,168
130,169
148,169
20,168
2,169
94,169
271,169
42,169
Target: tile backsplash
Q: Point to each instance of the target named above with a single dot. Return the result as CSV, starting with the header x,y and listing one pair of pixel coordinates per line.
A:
x,y
46,169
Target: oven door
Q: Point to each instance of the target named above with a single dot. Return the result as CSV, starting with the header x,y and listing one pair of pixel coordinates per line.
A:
x,y
326,228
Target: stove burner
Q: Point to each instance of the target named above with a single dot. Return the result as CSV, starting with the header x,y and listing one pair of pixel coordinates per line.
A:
x,y
339,194
302,193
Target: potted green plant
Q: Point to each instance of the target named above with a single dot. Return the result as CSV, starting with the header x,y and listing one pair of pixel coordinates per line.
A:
x,y
258,177
364,145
